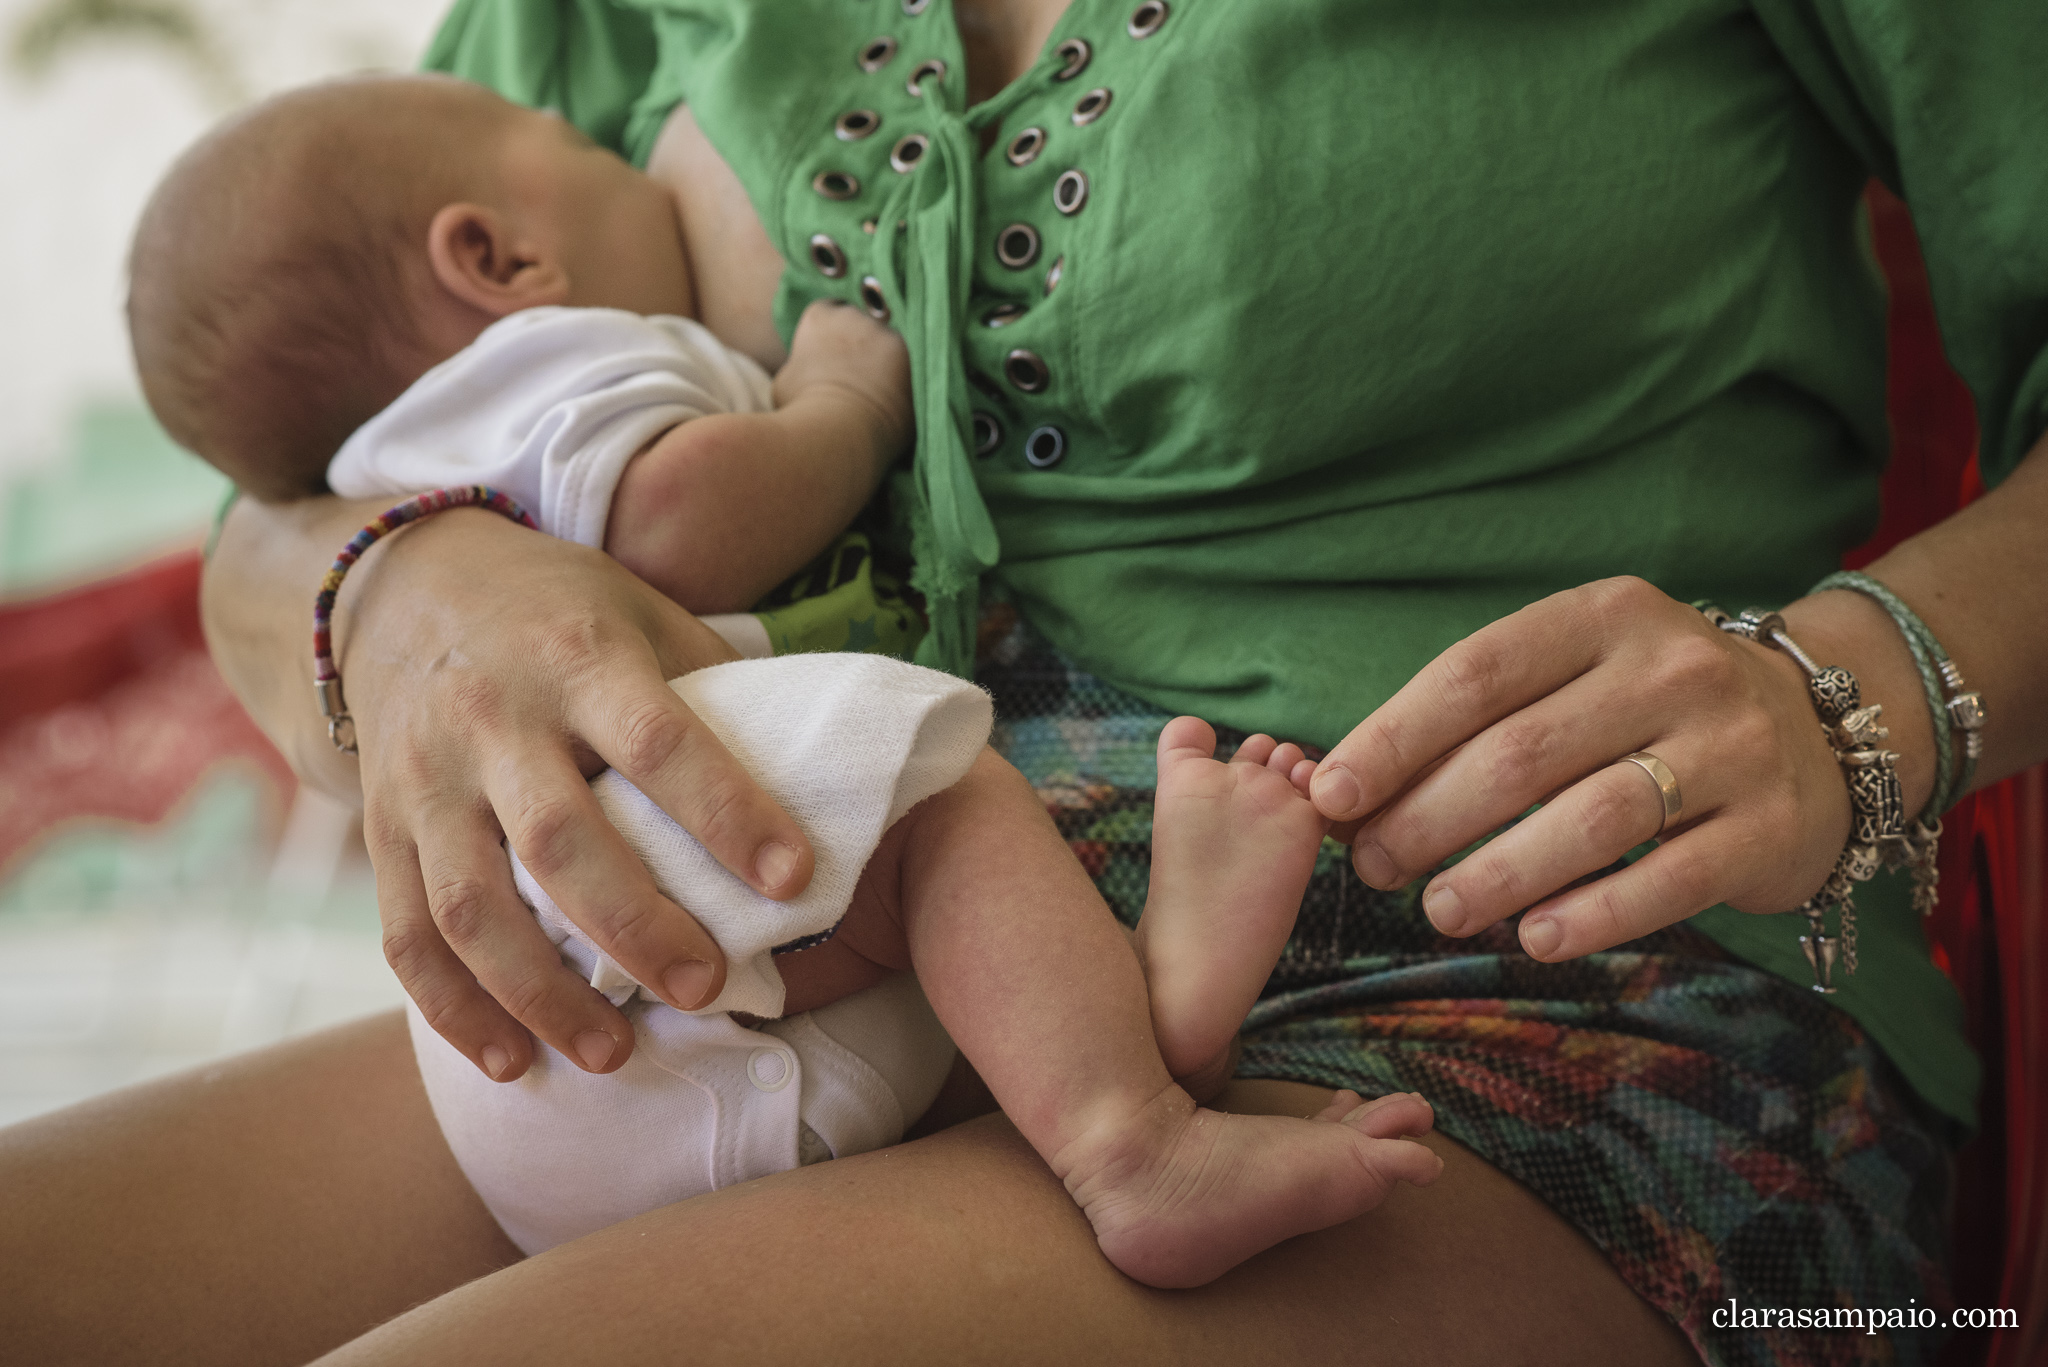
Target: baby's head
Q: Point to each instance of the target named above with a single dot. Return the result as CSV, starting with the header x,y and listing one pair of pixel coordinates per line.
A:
x,y
309,259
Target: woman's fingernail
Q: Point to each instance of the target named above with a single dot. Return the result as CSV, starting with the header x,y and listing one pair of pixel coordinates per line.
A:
x,y
1440,904
687,983
1335,792
1373,866
595,1047
774,864
496,1061
1541,937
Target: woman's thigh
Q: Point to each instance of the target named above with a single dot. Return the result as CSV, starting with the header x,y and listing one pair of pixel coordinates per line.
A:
x,y
962,1248
274,1206
260,1210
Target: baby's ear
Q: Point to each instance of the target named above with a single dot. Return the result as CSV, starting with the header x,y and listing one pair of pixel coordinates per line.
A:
x,y
479,257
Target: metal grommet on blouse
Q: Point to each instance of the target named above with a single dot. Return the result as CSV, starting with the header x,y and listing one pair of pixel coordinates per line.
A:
x,y
1069,192
1017,246
908,152
1074,55
916,7
873,300
1089,107
1002,315
1025,370
827,257
933,70
876,52
988,433
1045,446
839,185
1146,19
856,124
1052,276
1025,147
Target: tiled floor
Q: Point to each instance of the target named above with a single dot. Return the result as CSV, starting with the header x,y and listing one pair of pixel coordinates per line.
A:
x,y
143,975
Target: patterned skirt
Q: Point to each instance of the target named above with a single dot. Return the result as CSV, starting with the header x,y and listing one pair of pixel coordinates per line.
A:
x,y
1721,1135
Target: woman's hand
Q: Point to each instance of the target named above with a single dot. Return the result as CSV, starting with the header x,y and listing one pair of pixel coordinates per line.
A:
x,y
1541,706
491,672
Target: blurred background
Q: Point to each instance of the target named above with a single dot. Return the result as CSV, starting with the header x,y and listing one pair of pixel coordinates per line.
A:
x,y
166,895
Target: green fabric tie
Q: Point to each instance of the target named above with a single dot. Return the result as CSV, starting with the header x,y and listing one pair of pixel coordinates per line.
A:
x,y
954,539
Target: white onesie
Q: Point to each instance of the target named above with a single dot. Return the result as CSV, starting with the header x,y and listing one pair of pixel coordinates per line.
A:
x,y
548,405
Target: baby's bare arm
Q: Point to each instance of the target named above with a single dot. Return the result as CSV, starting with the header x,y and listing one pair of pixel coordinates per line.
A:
x,y
717,511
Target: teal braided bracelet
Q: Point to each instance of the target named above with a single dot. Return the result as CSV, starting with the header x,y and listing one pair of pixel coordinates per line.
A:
x,y
1954,709
1918,638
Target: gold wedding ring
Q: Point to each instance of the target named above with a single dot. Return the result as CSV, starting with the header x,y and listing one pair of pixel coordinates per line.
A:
x,y
1661,775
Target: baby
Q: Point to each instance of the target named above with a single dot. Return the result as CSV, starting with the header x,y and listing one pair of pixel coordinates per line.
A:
x,y
423,284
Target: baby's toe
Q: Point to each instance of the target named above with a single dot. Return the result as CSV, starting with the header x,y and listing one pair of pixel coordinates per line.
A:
x,y
1402,1115
1186,738
1342,1103
1255,750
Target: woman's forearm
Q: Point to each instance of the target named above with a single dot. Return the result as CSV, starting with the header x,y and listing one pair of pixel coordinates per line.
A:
x,y
256,602
1980,582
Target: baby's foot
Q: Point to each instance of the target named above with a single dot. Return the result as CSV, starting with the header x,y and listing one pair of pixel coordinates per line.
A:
x,y
1178,1196
1233,846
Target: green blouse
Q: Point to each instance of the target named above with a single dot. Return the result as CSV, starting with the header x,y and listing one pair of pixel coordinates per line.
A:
x,y
1264,351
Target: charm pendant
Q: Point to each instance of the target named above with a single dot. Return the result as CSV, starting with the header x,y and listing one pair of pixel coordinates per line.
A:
x,y
1835,694
1877,804
1821,951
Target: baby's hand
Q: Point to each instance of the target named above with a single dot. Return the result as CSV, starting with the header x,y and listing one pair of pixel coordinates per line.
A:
x,y
838,348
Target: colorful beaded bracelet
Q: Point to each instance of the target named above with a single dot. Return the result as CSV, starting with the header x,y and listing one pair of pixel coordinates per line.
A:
x,y
341,727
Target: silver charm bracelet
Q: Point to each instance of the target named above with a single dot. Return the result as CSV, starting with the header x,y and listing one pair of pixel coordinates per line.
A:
x,y
1878,835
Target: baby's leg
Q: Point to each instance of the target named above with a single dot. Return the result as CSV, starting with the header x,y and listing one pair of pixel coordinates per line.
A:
x,y
1024,964
1233,846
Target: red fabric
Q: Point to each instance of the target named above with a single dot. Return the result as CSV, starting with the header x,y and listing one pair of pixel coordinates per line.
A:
x,y
1991,931
1933,418
2013,820
74,645
111,707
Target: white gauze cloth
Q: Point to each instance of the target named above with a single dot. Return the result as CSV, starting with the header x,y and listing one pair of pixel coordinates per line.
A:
x,y
548,405
846,744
